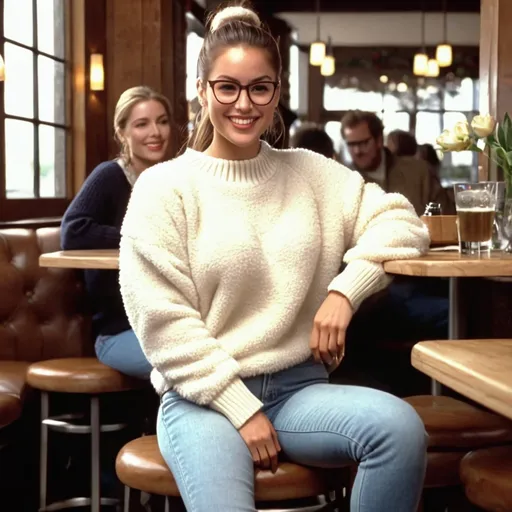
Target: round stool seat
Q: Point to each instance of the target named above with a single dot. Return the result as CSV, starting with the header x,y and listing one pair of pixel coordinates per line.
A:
x,y
79,375
453,424
487,478
10,409
139,465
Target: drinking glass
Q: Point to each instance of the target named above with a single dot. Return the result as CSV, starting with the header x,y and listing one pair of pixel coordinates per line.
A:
x,y
476,210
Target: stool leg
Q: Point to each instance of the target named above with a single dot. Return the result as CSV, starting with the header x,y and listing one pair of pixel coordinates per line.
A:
x,y
43,451
126,507
95,454
166,506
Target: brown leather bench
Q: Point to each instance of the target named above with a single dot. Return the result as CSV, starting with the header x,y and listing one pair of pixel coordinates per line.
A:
x,y
42,313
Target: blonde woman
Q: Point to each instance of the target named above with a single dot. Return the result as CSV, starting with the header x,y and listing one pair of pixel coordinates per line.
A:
x,y
142,125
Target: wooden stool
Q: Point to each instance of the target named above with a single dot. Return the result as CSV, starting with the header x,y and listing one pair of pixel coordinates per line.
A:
x,y
85,376
487,478
454,428
140,466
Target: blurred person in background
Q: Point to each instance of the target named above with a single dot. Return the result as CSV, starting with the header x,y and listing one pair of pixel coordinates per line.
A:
x,y
313,137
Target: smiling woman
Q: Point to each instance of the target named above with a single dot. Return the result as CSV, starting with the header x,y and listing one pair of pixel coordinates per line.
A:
x,y
229,272
142,124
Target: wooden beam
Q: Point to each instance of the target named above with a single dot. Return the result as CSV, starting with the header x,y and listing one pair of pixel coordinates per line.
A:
x,y
495,65
147,46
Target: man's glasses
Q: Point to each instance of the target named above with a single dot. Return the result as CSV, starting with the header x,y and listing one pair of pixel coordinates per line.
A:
x,y
227,92
359,143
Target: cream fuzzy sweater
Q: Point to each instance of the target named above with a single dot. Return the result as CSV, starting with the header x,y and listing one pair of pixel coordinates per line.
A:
x,y
224,264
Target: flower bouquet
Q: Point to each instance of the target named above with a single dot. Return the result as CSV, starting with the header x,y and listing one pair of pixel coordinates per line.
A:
x,y
485,135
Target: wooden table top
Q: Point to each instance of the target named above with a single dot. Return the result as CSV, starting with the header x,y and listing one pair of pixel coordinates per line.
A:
x,y
434,264
478,369
453,264
97,259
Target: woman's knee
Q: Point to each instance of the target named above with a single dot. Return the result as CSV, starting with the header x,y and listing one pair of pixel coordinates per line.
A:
x,y
401,426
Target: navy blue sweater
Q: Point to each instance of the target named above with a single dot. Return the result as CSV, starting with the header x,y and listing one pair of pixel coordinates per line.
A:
x,y
93,221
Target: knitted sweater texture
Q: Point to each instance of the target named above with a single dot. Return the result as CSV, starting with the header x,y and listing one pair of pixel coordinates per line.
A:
x,y
224,264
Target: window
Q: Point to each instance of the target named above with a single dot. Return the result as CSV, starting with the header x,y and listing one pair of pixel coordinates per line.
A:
x,y
424,109
35,107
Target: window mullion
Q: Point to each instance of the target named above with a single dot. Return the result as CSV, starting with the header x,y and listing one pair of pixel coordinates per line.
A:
x,y
37,187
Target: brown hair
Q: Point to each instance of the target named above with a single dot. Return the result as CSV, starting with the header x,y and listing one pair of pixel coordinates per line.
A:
x,y
123,110
227,29
355,117
313,137
403,143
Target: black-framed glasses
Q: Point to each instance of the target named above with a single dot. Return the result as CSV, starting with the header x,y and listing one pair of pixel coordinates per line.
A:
x,y
359,143
228,92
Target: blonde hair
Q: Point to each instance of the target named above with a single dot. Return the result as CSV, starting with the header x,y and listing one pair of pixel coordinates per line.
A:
x,y
231,26
124,107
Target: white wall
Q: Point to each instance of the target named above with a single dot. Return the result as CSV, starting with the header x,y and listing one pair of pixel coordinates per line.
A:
x,y
385,29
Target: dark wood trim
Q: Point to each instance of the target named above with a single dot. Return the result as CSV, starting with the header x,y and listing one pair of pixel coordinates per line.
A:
x,y
44,222
18,209
97,134
2,124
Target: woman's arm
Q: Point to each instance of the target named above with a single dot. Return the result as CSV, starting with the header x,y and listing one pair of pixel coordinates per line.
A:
x,y
379,227
162,304
84,225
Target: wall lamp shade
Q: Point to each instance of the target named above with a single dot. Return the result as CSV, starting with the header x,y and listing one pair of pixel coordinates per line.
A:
x,y
328,66
444,55
420,66
97,73
317,53
2,69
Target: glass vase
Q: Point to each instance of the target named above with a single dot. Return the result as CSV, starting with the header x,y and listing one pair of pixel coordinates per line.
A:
x,y
506,223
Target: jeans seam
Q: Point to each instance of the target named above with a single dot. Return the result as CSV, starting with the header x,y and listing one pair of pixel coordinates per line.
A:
x,y
183,476
365,450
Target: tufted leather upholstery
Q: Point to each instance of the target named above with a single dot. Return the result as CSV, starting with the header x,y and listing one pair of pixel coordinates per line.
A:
x,y
42,312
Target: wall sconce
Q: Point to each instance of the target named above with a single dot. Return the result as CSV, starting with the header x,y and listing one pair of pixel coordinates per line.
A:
x,y
2,69
97,73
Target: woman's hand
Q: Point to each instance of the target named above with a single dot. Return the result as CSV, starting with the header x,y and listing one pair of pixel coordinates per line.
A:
x,y
327,341
261,439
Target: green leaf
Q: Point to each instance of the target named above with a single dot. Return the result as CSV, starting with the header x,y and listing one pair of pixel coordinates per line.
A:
x,y
507,129
501,156
491,141
509,158
474,148
502,136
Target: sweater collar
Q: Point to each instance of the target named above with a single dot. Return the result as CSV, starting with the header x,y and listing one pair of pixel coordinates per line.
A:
x,y
253,171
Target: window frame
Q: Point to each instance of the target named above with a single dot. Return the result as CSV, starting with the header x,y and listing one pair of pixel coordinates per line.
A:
x,y
336,115
12,209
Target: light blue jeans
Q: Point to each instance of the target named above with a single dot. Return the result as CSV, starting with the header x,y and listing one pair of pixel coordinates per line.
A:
x,y
123,353
318,424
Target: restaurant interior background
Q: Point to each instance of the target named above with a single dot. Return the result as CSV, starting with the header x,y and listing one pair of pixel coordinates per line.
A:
x,y
55,123
64,64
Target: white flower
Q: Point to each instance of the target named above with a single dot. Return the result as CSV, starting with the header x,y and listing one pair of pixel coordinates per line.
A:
x,y
483,126
456,139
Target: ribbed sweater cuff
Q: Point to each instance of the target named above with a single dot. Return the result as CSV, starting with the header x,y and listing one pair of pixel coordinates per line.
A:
x,y
359,280
237,403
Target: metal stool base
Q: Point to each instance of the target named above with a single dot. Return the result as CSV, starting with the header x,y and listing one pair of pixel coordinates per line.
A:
x,y
78,502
